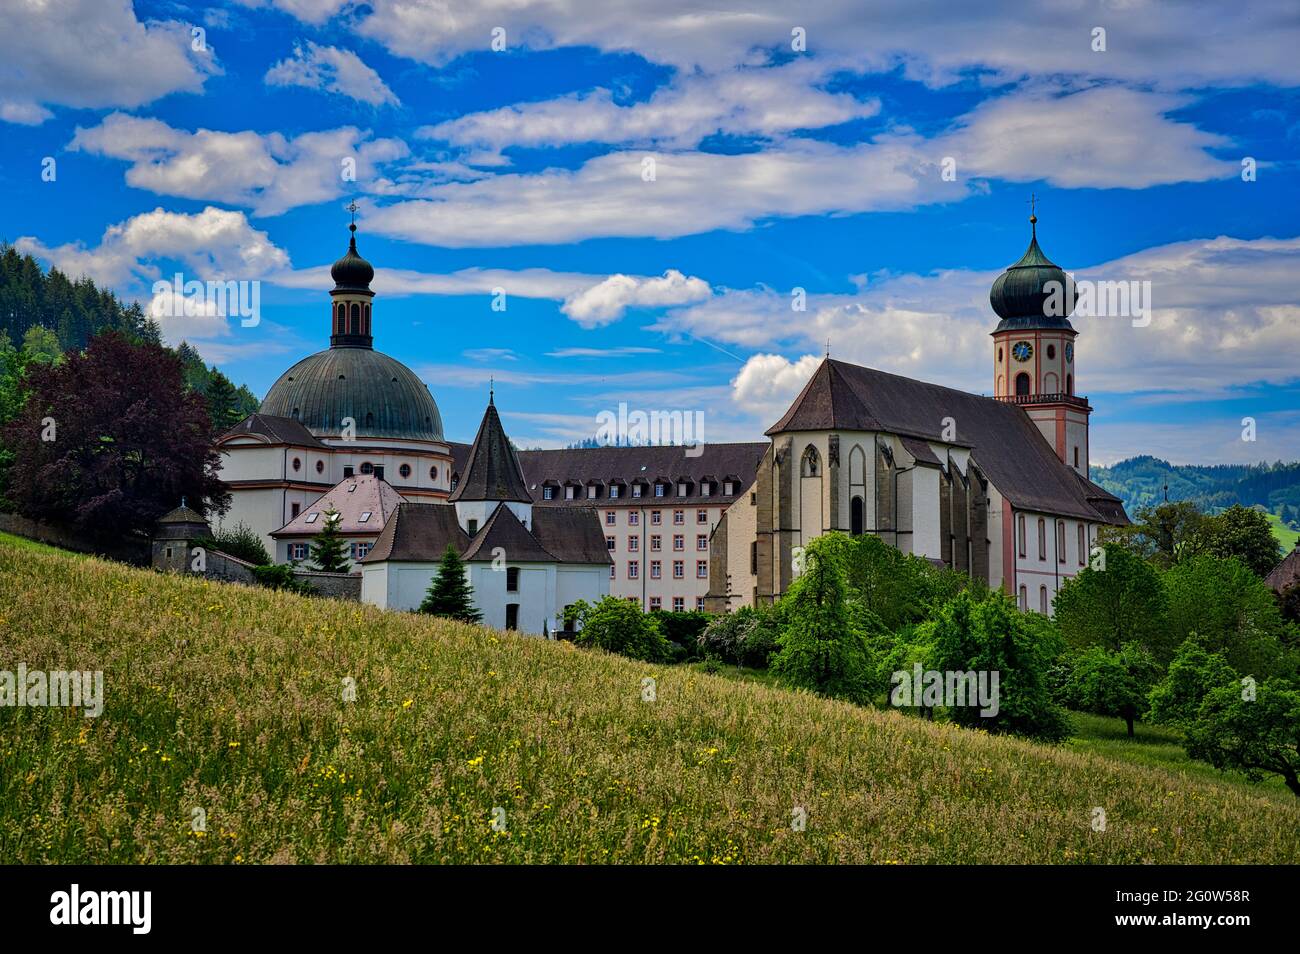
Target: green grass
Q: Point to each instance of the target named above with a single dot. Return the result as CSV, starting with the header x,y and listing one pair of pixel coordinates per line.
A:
x,y
228,699
1285,535
34,546
1158,747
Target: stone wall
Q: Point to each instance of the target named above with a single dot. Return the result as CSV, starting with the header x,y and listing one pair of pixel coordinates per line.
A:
x,y
129,550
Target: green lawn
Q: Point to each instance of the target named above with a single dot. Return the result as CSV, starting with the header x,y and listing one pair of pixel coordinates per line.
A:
x,y
1285,535
34,546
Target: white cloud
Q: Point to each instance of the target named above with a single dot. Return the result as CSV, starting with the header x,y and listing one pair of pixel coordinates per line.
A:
x,y
618,352
333,70
757,101
91,54
769,383
1225,313
314,12
1121,138
606,302
269,173
214,244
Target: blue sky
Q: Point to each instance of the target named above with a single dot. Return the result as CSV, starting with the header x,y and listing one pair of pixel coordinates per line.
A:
x,y
775,168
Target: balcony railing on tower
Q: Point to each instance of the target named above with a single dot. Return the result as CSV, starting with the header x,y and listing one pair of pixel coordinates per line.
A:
x,y
1059,397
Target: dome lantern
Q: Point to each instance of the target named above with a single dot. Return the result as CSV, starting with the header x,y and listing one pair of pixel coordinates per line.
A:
x,y
1035,292
351,296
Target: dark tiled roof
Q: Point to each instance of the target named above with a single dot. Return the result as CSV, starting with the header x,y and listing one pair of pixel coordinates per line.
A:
x,y
183,514
418,532
573,534
492,472
1006,445
1285,573
623,465
504,530
280,430
919,449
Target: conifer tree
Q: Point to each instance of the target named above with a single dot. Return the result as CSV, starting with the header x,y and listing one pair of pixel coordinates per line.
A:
x,y
329,551
449,592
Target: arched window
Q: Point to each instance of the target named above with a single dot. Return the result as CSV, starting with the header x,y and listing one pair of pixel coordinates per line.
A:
x,y
1021,531
1060,541
367,331
1083,545
356,319
1042,539
1024,599
855,516
1069,384
1022,383
1042,600
810,465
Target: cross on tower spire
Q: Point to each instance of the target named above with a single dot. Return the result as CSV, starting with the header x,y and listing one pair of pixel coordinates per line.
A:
x,y
353,207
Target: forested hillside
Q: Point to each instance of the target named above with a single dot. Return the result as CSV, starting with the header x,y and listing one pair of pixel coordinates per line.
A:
x,y
1141,481
75,311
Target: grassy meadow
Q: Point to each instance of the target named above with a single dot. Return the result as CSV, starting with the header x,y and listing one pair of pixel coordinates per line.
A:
x,y
230,699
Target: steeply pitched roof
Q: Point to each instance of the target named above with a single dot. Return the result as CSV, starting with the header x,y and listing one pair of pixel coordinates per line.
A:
x,y
503,530
720,462
1286,572
1005,444
492,472
418,532
278,430
572,534
353,498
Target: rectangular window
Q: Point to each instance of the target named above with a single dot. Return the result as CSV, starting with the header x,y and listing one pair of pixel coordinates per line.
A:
x,y
1020,526
294,509
348,472
701,516
1042,600
471,527
656,543
679,569
704,489
656,517
679,604
753,499
613,491
610,518
753,557
512,616
701,541
655,603
548,493
701,569
636,490
681,490
659,490
1076,458
591,493
569,493
512,579
609,543
633,518
634,544
297,551
656,569
679,542
613,573
365,516
311,517
1083,545
1024,599
1042,539
359,550
728,488
679,517
633,569
699,604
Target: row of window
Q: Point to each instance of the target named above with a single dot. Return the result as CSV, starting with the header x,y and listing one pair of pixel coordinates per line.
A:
x,y
656,570
656,543
656,517
366,468
1042,599
1060,540
298,551
679,604
708,488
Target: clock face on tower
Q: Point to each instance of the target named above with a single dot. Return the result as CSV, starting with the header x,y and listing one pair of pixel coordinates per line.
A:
x,y
1069,351
1022,351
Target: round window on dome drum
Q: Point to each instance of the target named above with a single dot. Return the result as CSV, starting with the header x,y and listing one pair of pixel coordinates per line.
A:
x,y
433,473
405,471
297,463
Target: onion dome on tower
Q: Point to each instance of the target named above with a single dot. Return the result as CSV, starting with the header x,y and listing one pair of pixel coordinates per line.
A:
x,y
1035,292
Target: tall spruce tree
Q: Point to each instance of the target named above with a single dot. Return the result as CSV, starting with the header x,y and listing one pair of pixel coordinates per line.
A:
x,y
329,551
449,592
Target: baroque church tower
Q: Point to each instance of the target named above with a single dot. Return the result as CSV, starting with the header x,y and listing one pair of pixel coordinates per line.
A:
x,y
1033,348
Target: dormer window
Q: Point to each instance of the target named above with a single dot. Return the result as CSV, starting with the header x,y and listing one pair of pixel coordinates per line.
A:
x,y
705,488
591,492
548,493
570,493
681,490
728,488
613,491
636,490
660,489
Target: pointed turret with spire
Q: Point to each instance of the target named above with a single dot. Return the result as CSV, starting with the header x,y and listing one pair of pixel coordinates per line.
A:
x,y
492,474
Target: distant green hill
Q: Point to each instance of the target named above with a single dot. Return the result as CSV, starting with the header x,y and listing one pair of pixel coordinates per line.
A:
x,y
1141,481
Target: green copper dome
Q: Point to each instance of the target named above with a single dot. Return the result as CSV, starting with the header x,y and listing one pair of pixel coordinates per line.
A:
x,y
1022,293
381,394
